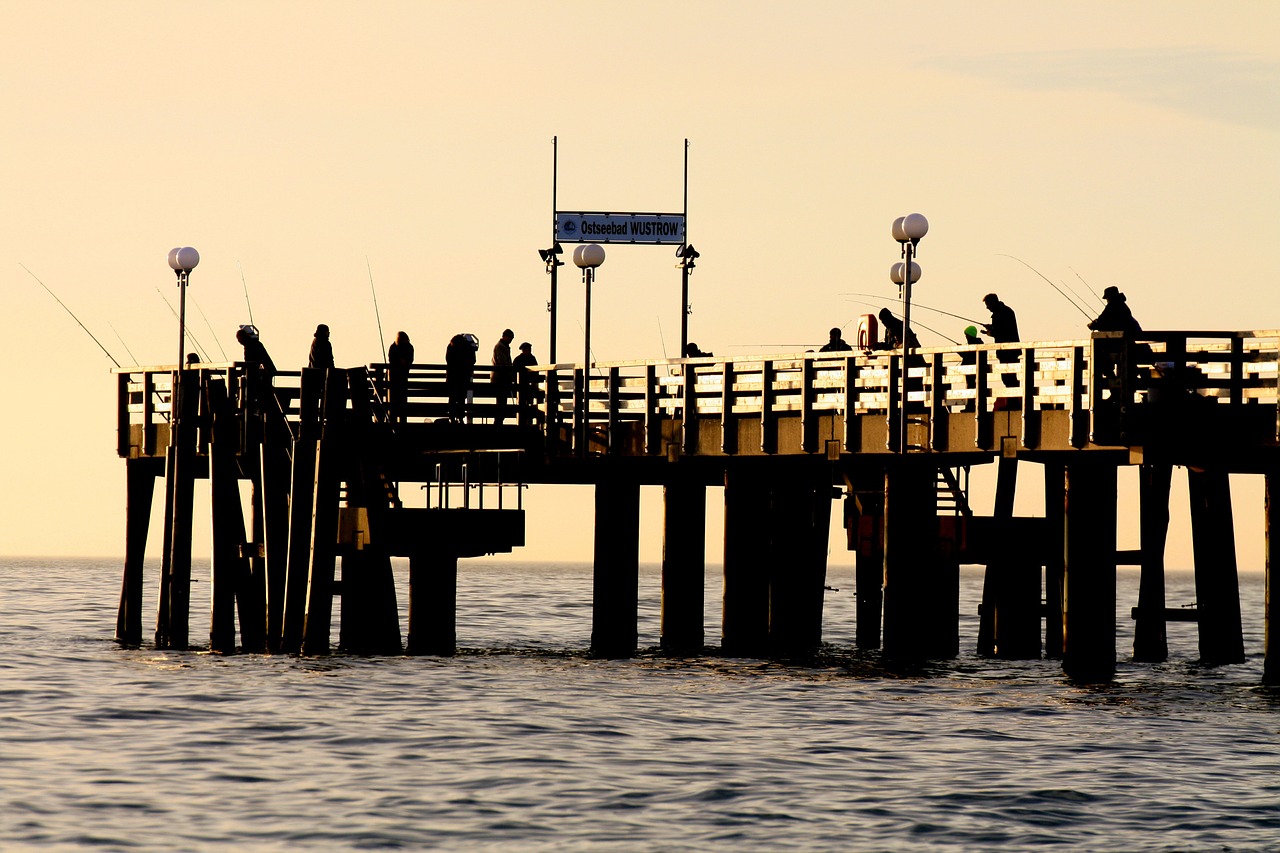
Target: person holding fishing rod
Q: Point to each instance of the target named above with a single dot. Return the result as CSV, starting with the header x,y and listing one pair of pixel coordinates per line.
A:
x,y
1003,329
1115,317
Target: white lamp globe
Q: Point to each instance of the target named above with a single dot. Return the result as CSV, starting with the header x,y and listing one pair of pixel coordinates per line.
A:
x,y
915,226
183,259
898,233
589,256
896,271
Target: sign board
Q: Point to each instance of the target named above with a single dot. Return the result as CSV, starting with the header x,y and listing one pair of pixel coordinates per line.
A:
x,y
654,228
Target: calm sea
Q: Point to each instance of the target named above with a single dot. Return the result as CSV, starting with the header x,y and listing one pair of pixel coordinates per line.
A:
x,y
523,743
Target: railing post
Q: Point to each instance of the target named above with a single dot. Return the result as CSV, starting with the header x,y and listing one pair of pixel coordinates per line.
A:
x,y
808,423
728,426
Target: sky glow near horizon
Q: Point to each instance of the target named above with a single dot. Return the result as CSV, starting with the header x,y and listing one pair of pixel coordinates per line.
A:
x,y
304,146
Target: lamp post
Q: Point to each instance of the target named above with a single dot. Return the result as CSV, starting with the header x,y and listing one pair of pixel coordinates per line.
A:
x,y
586,257
686,253
908,230
551,258
182,261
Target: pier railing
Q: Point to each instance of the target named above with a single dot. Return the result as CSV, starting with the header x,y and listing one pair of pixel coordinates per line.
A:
x,y
1100,384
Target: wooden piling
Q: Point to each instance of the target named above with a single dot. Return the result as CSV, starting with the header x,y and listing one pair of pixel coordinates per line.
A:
x,y
616,574
910,559
1217,583
324,519
174,622
1009,626
1150,638
370,623
1089,648
276,478
684,539
1054,547
228,566
1271,650
433,592
864,516
301,509
799,525
745,620
140,485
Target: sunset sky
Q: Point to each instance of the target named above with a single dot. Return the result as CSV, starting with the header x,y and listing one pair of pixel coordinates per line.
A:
x,y
301,146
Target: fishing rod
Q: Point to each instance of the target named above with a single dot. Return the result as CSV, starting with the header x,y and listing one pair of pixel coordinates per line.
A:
x,y
123,344
211,331
247,303
1088,287
73,316
376,315
915,304
1051,284
204,356
913,323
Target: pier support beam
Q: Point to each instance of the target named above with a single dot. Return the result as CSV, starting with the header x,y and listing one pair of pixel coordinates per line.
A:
x,y
1089,649
301,506
1054,553
228,570
684,542
1217,583
433,603
324,526
1270,632
1150,637
140,485
616,576
1010,622
864,520
745,621
799,524
174,618
911,575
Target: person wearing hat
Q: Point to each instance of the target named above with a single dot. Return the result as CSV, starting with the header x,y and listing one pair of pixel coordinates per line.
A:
x,y
528,389
321,350
1116,317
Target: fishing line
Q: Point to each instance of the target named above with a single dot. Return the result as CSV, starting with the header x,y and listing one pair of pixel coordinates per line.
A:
x,y
204,356
376,315
914,323
914,304
73,316
1089,287
123,344
211,331
248,304
1050,283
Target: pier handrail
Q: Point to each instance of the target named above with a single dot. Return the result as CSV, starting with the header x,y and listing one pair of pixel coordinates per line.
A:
x,y
1156,367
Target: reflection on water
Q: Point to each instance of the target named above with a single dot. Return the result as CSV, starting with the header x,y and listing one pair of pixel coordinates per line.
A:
x,y
521,742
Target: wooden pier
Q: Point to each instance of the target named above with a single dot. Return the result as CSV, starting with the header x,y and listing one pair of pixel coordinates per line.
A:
x,y
332,470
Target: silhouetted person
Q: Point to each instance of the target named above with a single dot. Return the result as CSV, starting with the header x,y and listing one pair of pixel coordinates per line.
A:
x,y
1116,317
692,351
836,343
192,359
260,369
503,376
971,336
399,360
459,359
893,331
527,385
1003,327
321,350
